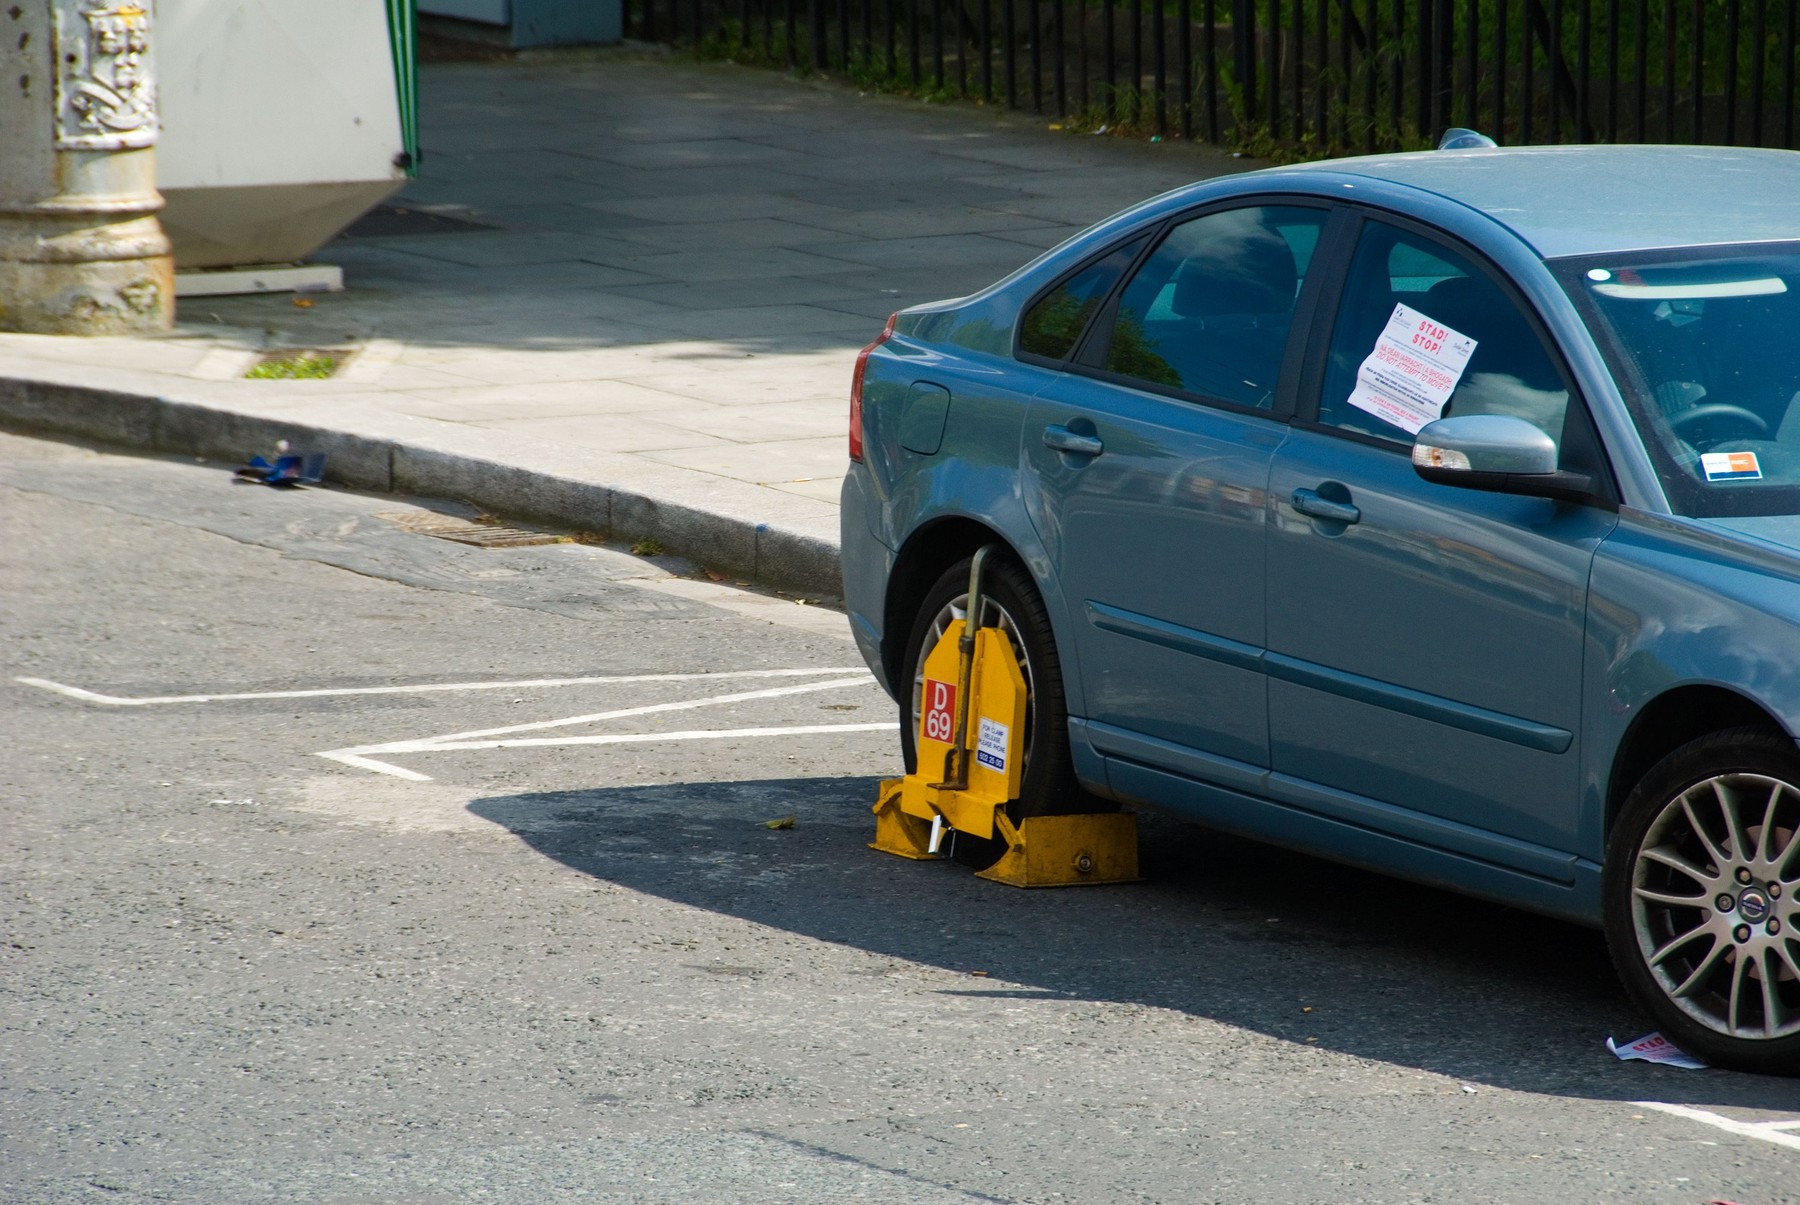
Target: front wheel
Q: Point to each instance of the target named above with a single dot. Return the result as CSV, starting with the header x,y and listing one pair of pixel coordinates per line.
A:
x,y
1702,898
1011,603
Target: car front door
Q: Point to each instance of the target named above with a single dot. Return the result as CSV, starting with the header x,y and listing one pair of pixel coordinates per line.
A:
x,y
1145,470
1425,641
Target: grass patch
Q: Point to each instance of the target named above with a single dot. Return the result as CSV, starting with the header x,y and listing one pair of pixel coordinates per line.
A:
x,y
293,366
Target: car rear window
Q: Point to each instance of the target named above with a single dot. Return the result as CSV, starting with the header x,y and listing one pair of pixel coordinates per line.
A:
x,y
1055,322
1208,312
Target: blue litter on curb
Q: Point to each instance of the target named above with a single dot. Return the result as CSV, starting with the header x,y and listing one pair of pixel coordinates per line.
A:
x,y
285,470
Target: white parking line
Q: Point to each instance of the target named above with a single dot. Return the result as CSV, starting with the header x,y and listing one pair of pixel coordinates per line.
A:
x,y
359,756
1767,1131
614,738
89,696
503,738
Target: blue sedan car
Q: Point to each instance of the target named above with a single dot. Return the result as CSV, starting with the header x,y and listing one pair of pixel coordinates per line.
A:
x,y
1438,513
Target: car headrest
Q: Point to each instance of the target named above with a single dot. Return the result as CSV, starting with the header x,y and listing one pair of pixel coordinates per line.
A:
x,y
1250,271
1462,304
1504,342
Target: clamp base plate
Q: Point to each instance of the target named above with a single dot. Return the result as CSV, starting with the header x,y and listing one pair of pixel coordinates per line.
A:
x,y
1041,851
1067,851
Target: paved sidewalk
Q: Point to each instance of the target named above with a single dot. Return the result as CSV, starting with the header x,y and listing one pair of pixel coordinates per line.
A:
x,y
642,319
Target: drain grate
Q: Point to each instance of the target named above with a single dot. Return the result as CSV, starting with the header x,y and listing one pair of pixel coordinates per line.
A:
x,y
471,531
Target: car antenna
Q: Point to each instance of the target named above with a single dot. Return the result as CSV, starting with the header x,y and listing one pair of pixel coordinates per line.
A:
x,y
1456,138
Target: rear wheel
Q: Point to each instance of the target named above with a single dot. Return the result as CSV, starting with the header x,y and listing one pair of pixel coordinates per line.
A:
x,y
1010,602
1703,898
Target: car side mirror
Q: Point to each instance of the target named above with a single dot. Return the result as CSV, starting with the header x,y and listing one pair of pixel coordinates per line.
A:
x,y
1497,453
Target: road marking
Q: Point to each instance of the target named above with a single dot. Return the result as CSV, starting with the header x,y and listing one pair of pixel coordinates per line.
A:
x,y
89,696
380,767
1768,1131
615,738
626,738
501,738
744,696
498,738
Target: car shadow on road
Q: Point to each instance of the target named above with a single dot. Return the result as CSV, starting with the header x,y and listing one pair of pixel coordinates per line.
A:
x,y
1286,945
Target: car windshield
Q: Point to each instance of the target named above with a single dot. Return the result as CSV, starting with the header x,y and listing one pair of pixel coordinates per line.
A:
x,y
1702,343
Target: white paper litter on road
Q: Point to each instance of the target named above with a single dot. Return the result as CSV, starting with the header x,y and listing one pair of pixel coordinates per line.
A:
x,y
1413,370
1654,1048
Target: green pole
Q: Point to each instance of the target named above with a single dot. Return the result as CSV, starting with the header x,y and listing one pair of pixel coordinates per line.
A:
x,y
403,38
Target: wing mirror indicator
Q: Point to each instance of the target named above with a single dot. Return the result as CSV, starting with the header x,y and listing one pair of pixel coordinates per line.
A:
x,y
1426,456
1497,453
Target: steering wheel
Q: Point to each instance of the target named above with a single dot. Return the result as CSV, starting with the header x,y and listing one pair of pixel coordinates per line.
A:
x,y
1715,422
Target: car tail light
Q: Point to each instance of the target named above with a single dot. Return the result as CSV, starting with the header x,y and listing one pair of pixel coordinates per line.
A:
x,y
856,388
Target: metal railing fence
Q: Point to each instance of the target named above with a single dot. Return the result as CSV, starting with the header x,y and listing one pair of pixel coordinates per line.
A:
x,y
1309,76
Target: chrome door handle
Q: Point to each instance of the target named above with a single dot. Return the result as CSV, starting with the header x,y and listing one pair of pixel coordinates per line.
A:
x,y
1065,440
1308,502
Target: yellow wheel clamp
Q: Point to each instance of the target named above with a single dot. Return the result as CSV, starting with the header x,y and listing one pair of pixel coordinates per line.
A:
x,y
971,728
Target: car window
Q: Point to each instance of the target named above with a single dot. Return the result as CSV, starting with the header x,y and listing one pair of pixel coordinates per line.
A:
x,y
1055,322
1208,312
1422,333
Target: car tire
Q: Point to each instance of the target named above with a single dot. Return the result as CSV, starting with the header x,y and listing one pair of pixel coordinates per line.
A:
x,y
1011,602
1702,898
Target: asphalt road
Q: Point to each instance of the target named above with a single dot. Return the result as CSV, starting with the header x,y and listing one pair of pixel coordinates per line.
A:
x,y
342,863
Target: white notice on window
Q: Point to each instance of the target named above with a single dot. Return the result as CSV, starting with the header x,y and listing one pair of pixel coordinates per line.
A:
x,y
1411,373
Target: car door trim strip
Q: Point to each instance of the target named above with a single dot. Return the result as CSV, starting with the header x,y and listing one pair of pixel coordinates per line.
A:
x,y
1546,738
1234,653
1496,724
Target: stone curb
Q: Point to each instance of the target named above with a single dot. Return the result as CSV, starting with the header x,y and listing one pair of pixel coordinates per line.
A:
x,y
764,553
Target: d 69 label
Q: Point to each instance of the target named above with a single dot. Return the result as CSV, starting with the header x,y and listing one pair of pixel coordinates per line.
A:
x,y
940,711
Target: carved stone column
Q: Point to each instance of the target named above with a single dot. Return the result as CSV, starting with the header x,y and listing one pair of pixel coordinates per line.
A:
x,y
81,252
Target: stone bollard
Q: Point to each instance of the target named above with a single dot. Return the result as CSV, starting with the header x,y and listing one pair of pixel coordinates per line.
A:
x,y
81,251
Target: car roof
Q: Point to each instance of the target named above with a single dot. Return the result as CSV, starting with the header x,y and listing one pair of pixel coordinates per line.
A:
x,y
1589,200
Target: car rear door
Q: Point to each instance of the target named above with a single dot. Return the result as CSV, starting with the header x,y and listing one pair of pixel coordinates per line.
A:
x,y
1145,467
1425,641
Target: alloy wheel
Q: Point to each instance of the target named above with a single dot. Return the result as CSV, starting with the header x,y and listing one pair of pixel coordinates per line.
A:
x,y
1715,904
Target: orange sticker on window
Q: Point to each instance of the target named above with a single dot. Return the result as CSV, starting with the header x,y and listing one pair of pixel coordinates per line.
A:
x,y
1730,466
